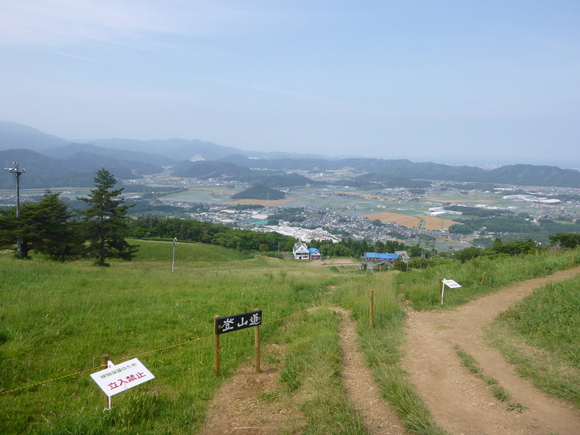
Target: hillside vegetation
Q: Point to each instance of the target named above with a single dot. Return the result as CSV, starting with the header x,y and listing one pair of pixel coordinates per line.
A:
x,y
58,319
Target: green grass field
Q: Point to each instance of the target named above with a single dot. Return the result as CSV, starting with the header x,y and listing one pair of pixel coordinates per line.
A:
x,y
58,320
541,335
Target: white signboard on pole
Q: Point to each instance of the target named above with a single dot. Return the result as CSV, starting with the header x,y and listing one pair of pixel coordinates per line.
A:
x,y
450,283
118,378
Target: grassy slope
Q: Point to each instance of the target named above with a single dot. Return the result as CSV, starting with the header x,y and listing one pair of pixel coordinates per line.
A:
x,y
58,319
542,336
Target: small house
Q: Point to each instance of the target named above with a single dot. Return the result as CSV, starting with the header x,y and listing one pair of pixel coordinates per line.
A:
x,y
314,254
300,251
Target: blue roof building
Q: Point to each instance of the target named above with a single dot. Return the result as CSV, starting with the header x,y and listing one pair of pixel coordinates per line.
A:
x,y
376,256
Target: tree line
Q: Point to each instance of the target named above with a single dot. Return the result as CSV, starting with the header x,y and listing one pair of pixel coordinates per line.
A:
x,y
50,228
205,232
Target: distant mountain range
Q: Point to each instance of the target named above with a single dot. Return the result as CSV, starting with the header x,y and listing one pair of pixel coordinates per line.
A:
x,y
51,162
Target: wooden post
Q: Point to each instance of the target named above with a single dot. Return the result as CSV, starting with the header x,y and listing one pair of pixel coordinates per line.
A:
x,y
105,363
441,290
372,309
216,348
483,278
257,347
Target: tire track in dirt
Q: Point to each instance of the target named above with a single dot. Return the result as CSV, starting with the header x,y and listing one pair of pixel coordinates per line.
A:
x,y
360,387
462,403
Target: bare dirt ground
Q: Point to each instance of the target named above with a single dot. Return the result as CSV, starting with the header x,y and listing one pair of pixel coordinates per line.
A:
x,y
332,262
460,402
359,385
242,406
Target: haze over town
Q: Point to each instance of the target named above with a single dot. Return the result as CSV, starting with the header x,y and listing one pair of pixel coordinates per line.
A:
x,y
449,82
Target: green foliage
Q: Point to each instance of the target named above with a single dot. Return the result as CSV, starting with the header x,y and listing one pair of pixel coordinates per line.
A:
x,y
541,335
498,224
290,214
45,227
58,319
205,232
422,288
259,191
106,221
550,319
312,368
566,240
356,248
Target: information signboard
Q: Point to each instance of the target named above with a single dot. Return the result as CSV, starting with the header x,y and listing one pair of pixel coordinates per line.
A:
x,y
450,283
238,321
118,378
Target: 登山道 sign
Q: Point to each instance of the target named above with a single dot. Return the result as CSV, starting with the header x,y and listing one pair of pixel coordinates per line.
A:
x,y
118,378
238,321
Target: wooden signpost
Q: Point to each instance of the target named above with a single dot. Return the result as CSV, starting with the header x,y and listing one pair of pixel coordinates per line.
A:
x,y
222,325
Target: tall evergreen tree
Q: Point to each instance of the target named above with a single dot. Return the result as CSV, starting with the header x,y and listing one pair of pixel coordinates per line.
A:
x,y
106,221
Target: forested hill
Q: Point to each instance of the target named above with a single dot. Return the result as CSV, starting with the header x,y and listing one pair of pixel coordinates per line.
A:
x,y
77,170
61,163
380,171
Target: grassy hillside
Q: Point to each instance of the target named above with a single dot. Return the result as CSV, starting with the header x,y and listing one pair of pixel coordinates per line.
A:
x,y
57,320
541,335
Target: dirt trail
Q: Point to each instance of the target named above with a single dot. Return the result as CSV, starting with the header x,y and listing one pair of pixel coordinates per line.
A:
x,y
360,386
240,406
462,403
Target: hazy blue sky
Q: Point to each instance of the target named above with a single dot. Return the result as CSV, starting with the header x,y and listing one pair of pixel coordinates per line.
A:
x,y
494,81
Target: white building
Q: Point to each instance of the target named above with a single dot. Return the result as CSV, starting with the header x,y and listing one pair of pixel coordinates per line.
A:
x,y
300,251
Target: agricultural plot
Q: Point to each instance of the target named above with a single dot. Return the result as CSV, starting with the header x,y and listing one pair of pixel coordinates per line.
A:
x,y
419,221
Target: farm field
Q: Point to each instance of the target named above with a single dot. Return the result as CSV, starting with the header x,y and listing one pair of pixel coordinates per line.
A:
x,y
57,320
418,221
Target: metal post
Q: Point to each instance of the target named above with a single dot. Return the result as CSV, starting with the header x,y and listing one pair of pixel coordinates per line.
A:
x,y
17,172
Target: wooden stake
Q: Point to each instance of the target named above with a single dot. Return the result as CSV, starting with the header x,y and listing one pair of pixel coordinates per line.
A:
x,y
216,348
257,342
105,363
483,278
441,290
372,309
257,347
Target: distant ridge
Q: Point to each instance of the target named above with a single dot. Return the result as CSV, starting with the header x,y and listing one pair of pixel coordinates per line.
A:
x,y
52,158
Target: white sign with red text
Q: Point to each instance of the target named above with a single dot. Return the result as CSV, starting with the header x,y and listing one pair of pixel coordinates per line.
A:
x,y
450,283
118,378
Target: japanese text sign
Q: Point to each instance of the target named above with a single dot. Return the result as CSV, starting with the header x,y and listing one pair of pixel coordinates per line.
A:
x,y
238,321
450,283
118,378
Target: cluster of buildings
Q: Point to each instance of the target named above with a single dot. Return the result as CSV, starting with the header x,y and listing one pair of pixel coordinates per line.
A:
x,y
301,251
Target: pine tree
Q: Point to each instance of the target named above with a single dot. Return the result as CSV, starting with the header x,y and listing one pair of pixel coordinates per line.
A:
x,y
46,227
55,233
106,221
